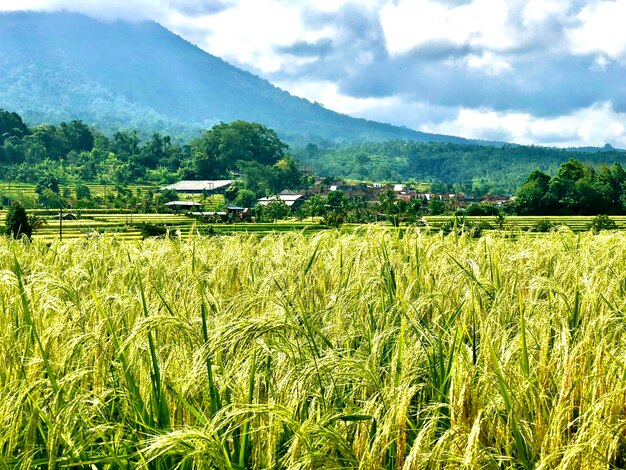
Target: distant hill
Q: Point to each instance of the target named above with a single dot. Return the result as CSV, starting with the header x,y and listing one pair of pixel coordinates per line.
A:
x,y
608,148
120,75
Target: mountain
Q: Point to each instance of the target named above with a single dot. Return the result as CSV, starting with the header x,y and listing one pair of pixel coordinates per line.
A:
x,y
120,75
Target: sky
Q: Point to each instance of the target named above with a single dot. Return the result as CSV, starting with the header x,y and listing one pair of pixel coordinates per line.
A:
x,y
544,72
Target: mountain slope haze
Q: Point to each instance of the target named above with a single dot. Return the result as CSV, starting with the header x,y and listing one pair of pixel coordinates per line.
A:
x,y
116,75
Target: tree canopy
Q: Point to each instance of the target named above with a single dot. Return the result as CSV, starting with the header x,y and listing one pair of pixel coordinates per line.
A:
x,y
576,189
222,148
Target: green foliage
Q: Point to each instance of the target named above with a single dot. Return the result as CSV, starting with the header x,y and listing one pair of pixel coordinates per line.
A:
x,y
82,192
275,210
543,226
576,189
500,219
17,223
602,222
481,209
168,195
245,198
478,169
314,206
387,204
49,182
148,229
11,125
72,153
218,150
437,207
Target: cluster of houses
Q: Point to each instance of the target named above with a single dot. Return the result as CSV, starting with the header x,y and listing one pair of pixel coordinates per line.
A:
x,y
369,192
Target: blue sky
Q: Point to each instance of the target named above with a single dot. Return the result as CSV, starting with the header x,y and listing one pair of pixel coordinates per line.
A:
x,y
549,72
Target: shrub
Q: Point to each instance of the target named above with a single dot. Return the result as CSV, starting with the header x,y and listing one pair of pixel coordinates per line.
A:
x,y
152,230
17,222
543,226
601,222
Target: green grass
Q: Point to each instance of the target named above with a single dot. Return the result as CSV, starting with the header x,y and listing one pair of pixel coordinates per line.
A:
x,y
320,350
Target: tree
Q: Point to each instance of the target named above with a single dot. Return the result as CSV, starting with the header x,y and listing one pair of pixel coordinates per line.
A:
x,y
11,124
75,135
154,152
220,148
275,210
336,200
436,206
47,182
357,210
125,145
17,223
285,175
387,204
168,195
82,192
532,197
245,198
313,206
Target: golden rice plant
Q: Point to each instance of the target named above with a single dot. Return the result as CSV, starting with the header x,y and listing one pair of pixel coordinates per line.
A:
x,y
366,350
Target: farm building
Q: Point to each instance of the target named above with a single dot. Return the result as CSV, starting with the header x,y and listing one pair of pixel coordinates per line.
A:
x,y
233,209
177,205
291,200
198,187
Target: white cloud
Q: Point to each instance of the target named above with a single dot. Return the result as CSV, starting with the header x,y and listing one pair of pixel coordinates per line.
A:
x,y
486,36
601,30
411,23
327,94
248,35
489,63
595,125
538,11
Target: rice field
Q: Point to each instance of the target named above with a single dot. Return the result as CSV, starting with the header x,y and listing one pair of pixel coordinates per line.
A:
x,y
304,351
125,224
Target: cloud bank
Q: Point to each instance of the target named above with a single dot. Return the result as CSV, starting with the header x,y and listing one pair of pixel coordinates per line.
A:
x,y
530,71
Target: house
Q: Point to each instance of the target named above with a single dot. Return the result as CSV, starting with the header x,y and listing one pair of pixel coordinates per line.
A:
x,y
496,200
292,201
233,209
177,205
199,187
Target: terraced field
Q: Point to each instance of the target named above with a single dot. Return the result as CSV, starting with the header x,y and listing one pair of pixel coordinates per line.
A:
x,y
125,225
525,223
28,189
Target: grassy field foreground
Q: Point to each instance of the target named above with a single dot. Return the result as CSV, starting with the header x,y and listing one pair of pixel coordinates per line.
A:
x,y
327,351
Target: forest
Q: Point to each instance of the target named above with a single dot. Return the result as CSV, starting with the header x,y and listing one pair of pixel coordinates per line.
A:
x,y
74,153
473,169
576,189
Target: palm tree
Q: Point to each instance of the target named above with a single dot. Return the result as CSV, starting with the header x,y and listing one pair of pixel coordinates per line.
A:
x,y
387,204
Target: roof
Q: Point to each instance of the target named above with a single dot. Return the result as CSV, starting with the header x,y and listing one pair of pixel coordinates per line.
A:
x,y
288,199
232,207
206,213
182,203
199,186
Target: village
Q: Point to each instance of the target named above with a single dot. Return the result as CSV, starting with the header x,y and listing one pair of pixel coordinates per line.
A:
x,y
380,199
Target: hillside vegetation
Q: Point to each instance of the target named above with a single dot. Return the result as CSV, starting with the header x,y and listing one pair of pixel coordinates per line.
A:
x,y
479,169
119,75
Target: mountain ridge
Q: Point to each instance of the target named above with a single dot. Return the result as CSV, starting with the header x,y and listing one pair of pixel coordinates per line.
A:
x,y
116,75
